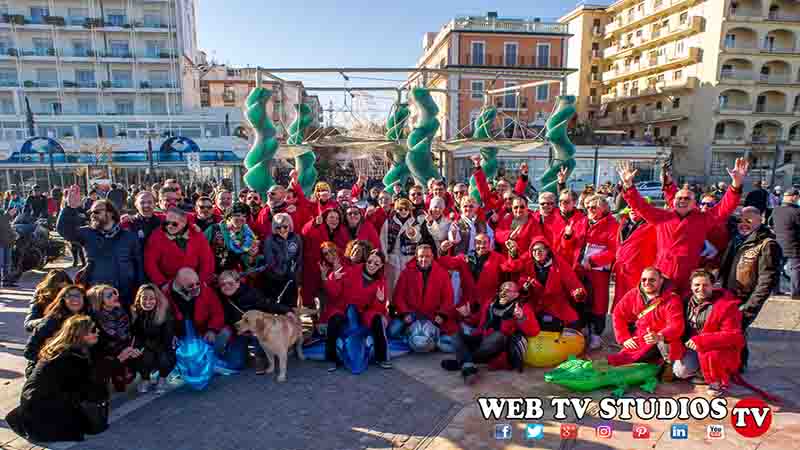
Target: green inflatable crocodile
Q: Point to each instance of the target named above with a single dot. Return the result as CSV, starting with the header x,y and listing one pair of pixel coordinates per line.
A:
x,y
258,158
304,163
419,158
483,131
563,148
396,131
581,375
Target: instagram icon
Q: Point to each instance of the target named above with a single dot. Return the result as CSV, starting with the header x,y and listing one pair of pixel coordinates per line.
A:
x,y
604,431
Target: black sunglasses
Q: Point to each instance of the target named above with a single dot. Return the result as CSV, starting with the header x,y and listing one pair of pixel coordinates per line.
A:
x,y
172,224
281,227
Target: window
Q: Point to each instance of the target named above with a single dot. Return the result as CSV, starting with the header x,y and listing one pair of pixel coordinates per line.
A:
x,y
47,77
159,78
508,127
158,105
120,49
680,48
87,131
510,99
592,92
81,47
634,108
51,106
85,78
8,77
121,78
43,46
473,116
153,49
87,106
478,49
152,19
542,92
677,75
116,17
657,132
673,131
229,95
77,16
477,87
7,106
676,103
123,107
542,55
684,17
730,41
660,78
510,53
38,13
659,106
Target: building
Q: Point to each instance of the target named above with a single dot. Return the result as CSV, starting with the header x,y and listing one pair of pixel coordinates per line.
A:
x,y
714,80
101,77
586,44
477,50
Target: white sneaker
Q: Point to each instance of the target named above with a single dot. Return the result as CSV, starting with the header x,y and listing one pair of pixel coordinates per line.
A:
x,y
143,387
161,386
595,342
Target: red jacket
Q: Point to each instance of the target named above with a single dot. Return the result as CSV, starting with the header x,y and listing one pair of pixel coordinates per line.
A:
x,y
208,312
680,239
351,290
438,296
485,287
633,256
492,199
550,226
600,236
378,217
523,237
667,318
528,325
366,232
313,208
262,225
554,297
720,343
313,238
163,258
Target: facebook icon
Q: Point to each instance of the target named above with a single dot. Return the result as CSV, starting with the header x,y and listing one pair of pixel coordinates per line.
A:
x,y
679,431
502,432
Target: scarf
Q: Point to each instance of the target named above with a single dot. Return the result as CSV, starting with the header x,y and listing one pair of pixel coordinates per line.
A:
x,y
498,313
111,232
476,264
542,271
426,273
116,325
697,312
237,242
366,277
627,230
393,230
181,238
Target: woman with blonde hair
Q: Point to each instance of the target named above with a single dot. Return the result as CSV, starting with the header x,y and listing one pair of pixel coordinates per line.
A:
x,y
153,330
115,349
49,407
69,302
44,294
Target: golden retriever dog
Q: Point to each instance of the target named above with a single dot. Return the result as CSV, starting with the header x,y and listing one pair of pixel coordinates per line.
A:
x,y
276,334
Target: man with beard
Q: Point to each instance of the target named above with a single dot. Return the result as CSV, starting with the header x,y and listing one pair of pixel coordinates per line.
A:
x,y
682,231
145,221
167,198
277,203
648,323
713,336
254,202
500,319
750,266
232,242
204,213
182,203
113,255
177,244
196,301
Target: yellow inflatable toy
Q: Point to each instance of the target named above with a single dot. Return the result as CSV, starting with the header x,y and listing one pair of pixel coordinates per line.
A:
x,y
549,348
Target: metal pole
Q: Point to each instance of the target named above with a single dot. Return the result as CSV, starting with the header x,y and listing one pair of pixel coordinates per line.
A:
x,y
596,154
775,163
150,157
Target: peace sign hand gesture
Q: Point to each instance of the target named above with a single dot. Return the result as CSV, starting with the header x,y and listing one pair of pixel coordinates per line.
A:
x,y
562,175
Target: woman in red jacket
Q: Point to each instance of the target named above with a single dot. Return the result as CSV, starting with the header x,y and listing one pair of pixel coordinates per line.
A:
x,y
636,249
321,200
355,228
591,246
363,286
549,283
176,245
323,229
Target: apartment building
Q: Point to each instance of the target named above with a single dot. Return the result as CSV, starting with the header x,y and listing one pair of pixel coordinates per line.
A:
x,y
586,43
481,48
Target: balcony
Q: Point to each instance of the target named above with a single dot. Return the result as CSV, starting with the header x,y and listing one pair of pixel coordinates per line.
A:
x,y
467,23
159,54
118,54
9,83
745,15
157,85
661,8
653,65
597,31
595,54
39,52
750,48
777,49
729,139
490,60
658,37
42,84
79,84
595,78
77,53
658,88
770,109
763,139
778,16
738,77
775,78
737,109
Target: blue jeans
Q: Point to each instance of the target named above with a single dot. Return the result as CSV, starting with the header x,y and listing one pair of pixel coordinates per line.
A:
x,y
221,341
5,261
792,268
236,353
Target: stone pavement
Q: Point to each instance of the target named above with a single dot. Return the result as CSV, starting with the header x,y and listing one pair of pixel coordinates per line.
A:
x,y
417,405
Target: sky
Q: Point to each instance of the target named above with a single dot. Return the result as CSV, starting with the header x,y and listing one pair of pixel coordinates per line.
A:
x,y
343,33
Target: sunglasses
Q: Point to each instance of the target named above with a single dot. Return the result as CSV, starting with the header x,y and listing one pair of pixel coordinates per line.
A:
x,y
459,192
708,204
592,207
683,199
547,203
204,206
649,280
415,194
74,295
401,209
281,227
172,224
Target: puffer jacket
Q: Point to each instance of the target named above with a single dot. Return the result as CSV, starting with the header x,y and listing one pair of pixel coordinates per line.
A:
x,y
284,257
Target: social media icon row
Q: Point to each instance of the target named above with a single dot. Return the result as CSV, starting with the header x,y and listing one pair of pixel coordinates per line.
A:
x,y
535,431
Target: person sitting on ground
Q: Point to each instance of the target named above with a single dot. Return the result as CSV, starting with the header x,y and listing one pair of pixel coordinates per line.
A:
x,y
424,293
283,257
237,298
195,301
175,245
501,318
364,286
115,349
44,295
648,323
713,337
750,267
49,407
232,242
153,331
69,302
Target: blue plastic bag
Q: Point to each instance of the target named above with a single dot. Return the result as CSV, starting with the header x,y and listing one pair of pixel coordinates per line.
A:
x,y
355,346
196,360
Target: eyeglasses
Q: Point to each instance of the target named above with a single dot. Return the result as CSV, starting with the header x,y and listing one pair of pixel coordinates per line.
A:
x,y
74,295
416,194
459,192
547,203
649,280
708,204
747,221
205,207
565,202
281,227
172,224
592,206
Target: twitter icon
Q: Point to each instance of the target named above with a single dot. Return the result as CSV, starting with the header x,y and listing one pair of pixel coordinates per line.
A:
x,y
534,431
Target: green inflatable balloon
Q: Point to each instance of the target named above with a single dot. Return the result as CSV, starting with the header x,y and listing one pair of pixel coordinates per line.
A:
x,y
304,163
483,131
563,148
419,158
580,375
258,159
396,131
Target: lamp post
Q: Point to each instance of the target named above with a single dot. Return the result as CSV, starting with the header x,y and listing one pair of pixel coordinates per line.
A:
x,y
603,133
150,135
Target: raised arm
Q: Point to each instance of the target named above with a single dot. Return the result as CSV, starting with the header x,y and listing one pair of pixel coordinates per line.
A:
x,y
650,213
730,201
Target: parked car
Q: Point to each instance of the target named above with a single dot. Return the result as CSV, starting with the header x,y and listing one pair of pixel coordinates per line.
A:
x,y
650,189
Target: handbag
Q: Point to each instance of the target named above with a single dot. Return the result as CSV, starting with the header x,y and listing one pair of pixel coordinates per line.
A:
x,y
96,414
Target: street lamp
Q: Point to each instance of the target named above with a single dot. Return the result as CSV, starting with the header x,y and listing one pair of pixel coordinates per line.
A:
x,y
597,148
150,135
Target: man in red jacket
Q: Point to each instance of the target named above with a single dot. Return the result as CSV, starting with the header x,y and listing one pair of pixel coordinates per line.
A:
x,y
636,249
682,231
648,322
193,300
714,336
423,292
500,320
176,245
516,232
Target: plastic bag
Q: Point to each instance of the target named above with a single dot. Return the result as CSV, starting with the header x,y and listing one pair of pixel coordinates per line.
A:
x,y
195,359
355,346
423,336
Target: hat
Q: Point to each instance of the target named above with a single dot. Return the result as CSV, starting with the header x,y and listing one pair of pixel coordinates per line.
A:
x,y
238,208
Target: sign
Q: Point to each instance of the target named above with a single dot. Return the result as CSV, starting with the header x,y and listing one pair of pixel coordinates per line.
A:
x,y
193,161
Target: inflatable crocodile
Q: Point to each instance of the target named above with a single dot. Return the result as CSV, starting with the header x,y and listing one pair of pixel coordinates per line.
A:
x,y
396,131
265,146
419,158
582,376
563,148
304,163
483,131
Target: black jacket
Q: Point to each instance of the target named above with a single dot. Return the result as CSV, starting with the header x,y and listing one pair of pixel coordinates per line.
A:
x,y
118,198
150,336
786,224
37,205
49,404
45,329
247,299
758,198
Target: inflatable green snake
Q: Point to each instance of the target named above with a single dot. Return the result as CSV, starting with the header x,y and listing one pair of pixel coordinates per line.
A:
x,y
396,131
563,148
304,163
258,158
483,131
419,158
580,375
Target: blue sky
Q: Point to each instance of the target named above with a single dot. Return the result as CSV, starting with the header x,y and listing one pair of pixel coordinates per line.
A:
x,y
353,33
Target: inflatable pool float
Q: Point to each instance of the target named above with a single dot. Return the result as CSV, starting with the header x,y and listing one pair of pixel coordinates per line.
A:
x,y
582,375
550,348
315,350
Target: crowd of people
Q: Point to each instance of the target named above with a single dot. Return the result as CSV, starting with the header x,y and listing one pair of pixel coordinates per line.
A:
x,y
434,265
